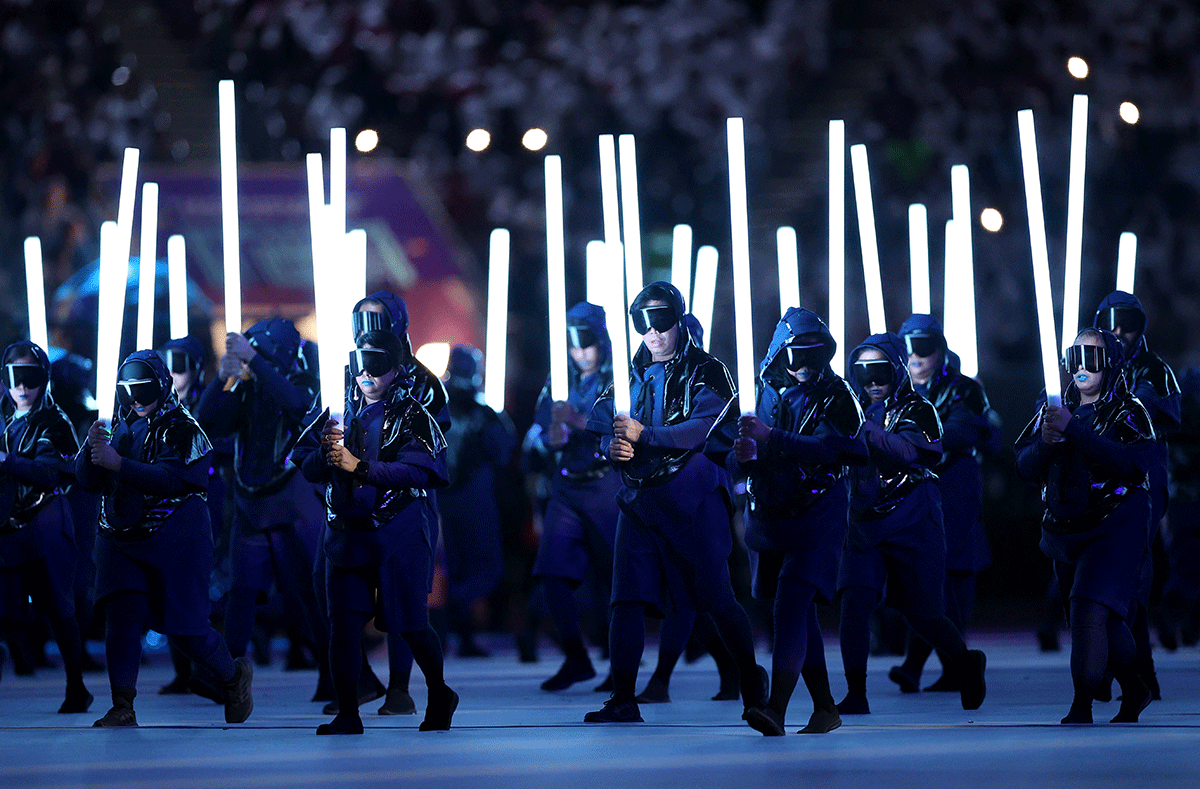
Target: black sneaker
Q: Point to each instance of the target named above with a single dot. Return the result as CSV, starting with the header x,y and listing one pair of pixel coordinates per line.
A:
x,y
239,703
121,715
440,710
616,710
822,722
342,724
854,704
765,720
572,671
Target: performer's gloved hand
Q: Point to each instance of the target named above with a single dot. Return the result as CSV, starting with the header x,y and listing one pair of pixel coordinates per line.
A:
x,y
750,426
340,457
97,434
627,427
620,450
745,450
230,367
1054,424
103,454
238,346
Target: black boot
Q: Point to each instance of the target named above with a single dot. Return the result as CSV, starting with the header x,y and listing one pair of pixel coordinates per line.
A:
x,y
121,714
440,710
78,699
238,701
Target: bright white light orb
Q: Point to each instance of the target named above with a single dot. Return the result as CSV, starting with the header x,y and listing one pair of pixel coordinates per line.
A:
x,y
478,140
991,219
535,139
366,141
1077,67
1129,112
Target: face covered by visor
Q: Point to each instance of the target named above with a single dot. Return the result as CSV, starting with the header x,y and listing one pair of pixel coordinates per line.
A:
x,y
372,361
364,321
178,361
874,372
581,336
31,376
1092,358
137,383
1128,318
922,345
811,355
660,318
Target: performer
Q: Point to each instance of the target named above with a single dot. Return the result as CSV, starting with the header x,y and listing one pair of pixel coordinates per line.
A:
x,y
966,416
260,398
378,543
1092,457
479,443
807,428
1151,380
581,517
673,536
37,535
154,551
895,541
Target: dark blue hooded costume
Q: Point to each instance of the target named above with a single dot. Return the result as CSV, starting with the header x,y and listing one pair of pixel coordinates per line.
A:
x,y
37,535
1095,484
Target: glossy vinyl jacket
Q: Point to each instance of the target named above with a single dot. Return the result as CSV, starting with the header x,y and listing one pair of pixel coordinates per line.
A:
x,y
1146,374
47,432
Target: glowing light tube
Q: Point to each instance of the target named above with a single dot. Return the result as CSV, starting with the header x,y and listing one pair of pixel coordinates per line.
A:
x,y
610,207
114,278
739,221
329,318
128,197
1075,189
337,181
148,260
356,278
918,258
788,249
1126,261
965,341
597,278
952,308
35,290
1041,257
706,290
230,233
837,242
681,261
614,306
177,299
496,353
866,234
556,279
631,218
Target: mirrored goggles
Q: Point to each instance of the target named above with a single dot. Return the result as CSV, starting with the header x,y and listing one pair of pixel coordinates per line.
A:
x,y
372,361
31,376
875,372
143,391
798,356
660,318
581,337
1092,358
922,345
366,320
177,361
1126,318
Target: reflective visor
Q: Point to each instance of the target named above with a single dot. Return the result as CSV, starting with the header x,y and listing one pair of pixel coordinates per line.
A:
x,y
875,372
922,345
177,361
812,356
1127,319
1092,358
660,318
365,321
143,391
581,337
31,376
372,361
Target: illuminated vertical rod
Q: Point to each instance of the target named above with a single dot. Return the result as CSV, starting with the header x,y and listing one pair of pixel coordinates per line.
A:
x,y
608,193
918,257
739,221
355,245
110,298
614,306
1126,261
35,291
230,234
127,200
951,307
148,260
496,354
837,242
681,261
597,277
556,279
1075,190
866,233
706,290
965,342
1041,257
630,221
788,249
177,286
330,363
337,181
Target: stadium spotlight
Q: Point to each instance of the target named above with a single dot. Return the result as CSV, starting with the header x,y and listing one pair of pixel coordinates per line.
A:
x,y
478,140
535,139
1129,112
1078,67
366,141
991,219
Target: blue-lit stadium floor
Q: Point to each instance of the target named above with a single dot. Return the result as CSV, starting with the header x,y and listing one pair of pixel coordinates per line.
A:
x,y
508,733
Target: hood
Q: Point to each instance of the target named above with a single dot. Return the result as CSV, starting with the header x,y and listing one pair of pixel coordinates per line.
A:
x,y
169,399
893,349
920,323
593,316
1121,299
1113,381
666,292
462,370
795,322
396,308
692,323
28,348
189,345
277,340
